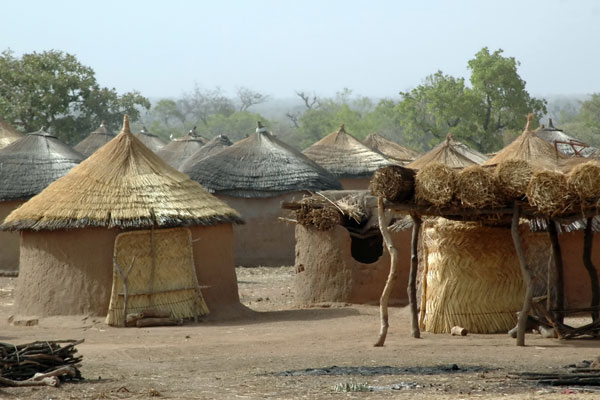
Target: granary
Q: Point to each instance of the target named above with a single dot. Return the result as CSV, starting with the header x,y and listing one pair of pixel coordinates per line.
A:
x,y
123,232
450,152
563,142
347,158
390,149
95,140
150,140
27,166
8,134
213,146
254,176
180,149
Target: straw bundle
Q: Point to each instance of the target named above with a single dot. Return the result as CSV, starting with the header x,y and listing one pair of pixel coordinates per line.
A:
x,y
548,191
512,178
584,180
323,217
476,187
436,183
394,183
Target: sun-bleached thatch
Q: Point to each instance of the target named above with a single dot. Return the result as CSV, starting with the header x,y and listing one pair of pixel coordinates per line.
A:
x,y
8,134
345,156
390,149
451,153
122,185
563,142
31,163
180,149
95,140
213,146
150,140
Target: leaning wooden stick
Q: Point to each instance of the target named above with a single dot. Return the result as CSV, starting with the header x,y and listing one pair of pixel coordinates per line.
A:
x,y
412,278
124,275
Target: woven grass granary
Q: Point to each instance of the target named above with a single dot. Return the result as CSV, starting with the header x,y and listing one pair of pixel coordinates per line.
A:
x,y
150,140
254,176
344,156
451,153
390,149
27,166
8,134
124,210
95,140
180,149
213,146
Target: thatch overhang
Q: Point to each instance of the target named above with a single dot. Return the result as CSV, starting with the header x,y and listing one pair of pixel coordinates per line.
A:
x,y
345,156
452,153
122,185
95,140
150,140
30,164
260,166
8,134
390,148
180,149
213,146
563,142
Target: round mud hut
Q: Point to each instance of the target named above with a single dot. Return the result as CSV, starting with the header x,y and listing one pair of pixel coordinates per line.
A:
x,y
254,176
390,149
452,153
347,158
180,149
213,146
8,134
27,166
150,140
95,140
123,232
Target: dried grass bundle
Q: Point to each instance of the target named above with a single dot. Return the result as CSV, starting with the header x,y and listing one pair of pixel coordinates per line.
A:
x,y
394,183
512,178
548,192
354,207
436,183
326,218
476,187
584,180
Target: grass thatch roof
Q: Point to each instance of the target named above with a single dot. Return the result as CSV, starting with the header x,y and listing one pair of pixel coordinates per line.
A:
x,y
390,148
123,185
563,142
345,156
8,134
213,146
95,140
260,166
150,140
451,153
31,163
180,149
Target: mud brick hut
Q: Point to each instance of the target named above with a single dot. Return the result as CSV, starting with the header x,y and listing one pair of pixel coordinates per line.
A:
x,y
390,149
563,142
8,134
344,156
254,176
150,140
95,140
180,149
213,146
124,231
451,153
27,166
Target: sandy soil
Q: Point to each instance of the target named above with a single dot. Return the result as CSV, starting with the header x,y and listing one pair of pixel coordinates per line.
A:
x,y
273,354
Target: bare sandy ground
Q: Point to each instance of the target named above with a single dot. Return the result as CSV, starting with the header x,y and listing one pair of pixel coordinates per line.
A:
x,y
274,353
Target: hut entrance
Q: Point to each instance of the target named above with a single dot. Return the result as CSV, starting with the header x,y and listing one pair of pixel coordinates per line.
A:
x,y
366,248
154,269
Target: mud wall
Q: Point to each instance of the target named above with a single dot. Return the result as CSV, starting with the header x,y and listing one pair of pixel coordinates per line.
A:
x,y
355,183
9,241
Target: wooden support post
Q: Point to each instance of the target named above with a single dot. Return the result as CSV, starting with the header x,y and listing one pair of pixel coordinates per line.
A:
x,y
124,275
153,265
514,230
412,278
589,265
558,302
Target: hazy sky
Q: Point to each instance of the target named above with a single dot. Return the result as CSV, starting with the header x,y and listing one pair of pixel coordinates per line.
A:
x,y
375,48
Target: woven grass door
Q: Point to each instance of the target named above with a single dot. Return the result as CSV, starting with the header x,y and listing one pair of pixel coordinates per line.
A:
x,y
160,275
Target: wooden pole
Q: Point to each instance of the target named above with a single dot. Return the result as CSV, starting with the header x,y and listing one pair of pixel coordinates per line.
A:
x,y
412,278
153,265
514,230
558,281
589,265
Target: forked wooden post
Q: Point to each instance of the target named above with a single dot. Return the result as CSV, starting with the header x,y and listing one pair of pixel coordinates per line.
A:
x,y
589,266
412,278
514,230
558,302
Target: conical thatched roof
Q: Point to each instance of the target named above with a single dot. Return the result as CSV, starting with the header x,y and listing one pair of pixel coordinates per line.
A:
x,y
8,134
180,149
345,156
529,147
31,163
260,166
150,140
452,153
95,140
563,142
213,146
390,148
123,185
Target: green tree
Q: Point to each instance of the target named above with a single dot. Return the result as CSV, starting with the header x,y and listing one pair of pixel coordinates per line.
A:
x,y
585,125
235,126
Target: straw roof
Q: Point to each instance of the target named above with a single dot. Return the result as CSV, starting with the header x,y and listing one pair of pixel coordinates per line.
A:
x,y
260,166
390,148
122,185
563,142
451,153
345,156
95,140
8,134
150,140
213,146
31,163
180,149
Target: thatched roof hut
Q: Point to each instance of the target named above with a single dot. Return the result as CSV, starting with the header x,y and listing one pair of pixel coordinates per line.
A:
x,y
390,149
72,230
8,134
180,149
564,143
95,140
347,158
452,153
150,140
213,146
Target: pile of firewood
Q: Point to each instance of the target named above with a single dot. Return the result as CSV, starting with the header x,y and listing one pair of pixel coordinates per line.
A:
x,y
39,363
151,317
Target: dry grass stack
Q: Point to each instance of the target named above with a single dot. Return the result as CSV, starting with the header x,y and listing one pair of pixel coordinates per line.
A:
x,y
394,183
512,178
436,184
476,188
584,181
549,193
320,214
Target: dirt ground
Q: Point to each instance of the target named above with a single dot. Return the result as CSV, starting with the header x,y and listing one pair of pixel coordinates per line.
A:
x,y
276,353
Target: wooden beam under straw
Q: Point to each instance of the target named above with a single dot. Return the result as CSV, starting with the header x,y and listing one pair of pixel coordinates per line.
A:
x,y
557,302
589,265
412,278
